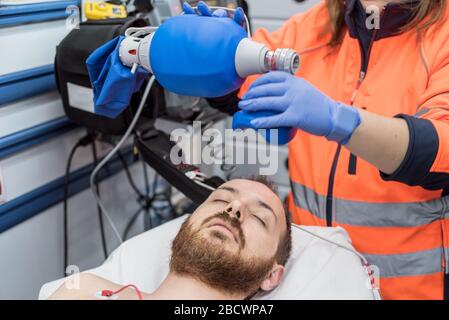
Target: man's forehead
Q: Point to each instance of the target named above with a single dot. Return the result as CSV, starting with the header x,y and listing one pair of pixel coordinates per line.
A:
x,y
254,189
243,184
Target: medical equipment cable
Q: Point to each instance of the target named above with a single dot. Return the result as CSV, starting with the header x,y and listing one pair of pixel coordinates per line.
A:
x,y
82,142
138,213
374,289
167,193
156,196
131,223
168,198
110,293
145,178
100,215
129,176
147,200
65,203
142,198
153,190
163,196
113,152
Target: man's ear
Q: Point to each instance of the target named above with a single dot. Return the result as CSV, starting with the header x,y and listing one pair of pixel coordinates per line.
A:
x,y
273,279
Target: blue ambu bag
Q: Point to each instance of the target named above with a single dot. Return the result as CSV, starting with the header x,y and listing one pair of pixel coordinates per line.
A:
x,y
195,55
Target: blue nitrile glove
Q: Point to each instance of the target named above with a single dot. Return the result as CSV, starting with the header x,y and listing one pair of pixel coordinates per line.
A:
x,y
112,82
299,104
243,119
204,10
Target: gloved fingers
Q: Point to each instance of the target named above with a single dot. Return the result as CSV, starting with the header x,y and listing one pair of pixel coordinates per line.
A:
x,y
239,16
220,13
266,90
204,9
188,8
277,121
273,104
270,77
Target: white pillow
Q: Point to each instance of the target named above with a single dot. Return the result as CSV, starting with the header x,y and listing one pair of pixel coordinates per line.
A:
x,y
316,269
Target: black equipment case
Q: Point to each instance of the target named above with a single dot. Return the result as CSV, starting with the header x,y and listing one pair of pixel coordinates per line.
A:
x,y
71,73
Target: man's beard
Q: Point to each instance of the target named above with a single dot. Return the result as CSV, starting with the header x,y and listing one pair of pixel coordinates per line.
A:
x,y
195,256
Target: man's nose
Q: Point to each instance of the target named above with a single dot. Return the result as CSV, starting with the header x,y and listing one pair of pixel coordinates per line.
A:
x,y
236,209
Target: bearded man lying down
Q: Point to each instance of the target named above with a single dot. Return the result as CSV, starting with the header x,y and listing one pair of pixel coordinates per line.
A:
x,y
235,244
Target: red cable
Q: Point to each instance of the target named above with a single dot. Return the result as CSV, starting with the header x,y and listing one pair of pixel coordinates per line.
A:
x,y
371,275
110,293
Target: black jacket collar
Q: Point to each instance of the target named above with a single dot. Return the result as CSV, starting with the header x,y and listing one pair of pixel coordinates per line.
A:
x,y
393,18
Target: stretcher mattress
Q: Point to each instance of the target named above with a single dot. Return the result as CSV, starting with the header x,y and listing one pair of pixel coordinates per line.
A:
x,y
317,269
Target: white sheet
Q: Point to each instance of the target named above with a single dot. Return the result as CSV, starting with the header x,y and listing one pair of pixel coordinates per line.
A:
x,y
316,269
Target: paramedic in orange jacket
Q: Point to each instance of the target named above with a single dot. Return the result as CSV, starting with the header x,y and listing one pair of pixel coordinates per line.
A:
x,y
371,153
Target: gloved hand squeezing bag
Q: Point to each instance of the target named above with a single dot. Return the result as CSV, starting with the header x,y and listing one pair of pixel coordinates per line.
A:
x,y
201,53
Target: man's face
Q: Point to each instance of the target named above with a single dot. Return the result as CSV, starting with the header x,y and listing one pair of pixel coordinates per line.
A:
x,y
242,216
231,240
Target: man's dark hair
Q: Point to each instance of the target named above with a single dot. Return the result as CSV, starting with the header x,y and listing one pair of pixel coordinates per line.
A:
x,y
285,244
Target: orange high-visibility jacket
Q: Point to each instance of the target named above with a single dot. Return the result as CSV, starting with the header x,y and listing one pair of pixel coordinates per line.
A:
x,y
399,222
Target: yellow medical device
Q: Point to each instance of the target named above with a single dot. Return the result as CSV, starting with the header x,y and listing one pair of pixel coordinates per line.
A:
x,y
104,10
